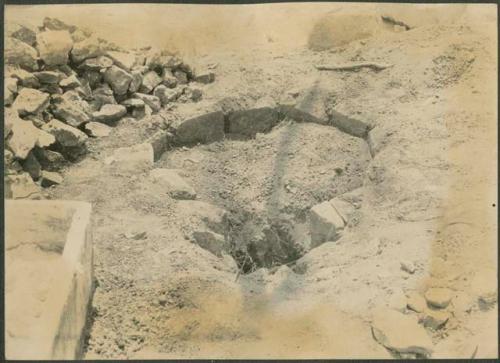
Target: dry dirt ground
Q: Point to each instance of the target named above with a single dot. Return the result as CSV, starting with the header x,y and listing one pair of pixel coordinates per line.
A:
x,y
428,198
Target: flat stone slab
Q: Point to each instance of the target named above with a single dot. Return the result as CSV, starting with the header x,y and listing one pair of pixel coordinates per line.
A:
x,y
174,184
48,278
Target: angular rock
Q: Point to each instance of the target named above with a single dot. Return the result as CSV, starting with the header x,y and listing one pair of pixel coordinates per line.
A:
x,y
434,319
160,142
407,266
54,47
49,178
140,112
21,187
250,122
160,61
205,77
168,79
66,135
377,139
133,103
193,93
136,82
49,77
309,107
96,64
78,36
102,96
326,224
401,333
151,101
22,33
134,159
56,24
416,302
30,101
49,160
52,89
166,95
71,108
109,113
10,90
344,208
70,82
173,183
118,79
32,166
210,241
92,78
122,59
181,76
26,79
206,128
438,297
21,54
149,81
97,129
89,48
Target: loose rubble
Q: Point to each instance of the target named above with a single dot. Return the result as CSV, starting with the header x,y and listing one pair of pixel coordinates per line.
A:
x,y
66,84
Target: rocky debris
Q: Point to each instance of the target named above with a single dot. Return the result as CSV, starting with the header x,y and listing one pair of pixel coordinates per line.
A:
x,y
160,60
97,129
22,33
70,82
71,108
167,95
30,101
173,183
205,77
10,90
88,48
109,113
96,64
151,101
49,77
132,159
434,319
181,77
54,47
408,266
56,24
92,78
49,160
416,302
438,297
102,96
149,81
25,136
122,59
25,79
118,79
49,178
65,135
21,187
193,93
250,122
325,224
168,79
160,142
32,166
20,54
136,82
210,241
401,333
206,128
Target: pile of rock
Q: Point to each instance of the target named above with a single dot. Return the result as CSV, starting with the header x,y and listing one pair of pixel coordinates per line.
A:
x,y
64,84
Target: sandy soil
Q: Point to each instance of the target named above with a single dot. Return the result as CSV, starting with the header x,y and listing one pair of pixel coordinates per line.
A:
x,y
428,198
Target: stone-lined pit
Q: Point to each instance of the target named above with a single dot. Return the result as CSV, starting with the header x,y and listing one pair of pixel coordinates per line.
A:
x,y
267,178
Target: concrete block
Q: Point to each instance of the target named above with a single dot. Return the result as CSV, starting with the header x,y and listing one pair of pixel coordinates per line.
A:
x,y
49,278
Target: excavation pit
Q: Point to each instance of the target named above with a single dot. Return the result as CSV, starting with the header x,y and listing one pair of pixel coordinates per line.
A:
x,y
268,182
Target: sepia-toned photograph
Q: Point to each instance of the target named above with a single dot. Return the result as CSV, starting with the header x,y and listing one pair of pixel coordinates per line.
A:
x,y
304,180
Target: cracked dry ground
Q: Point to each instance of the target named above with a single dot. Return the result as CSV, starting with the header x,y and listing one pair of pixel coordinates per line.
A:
x,y
424,195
